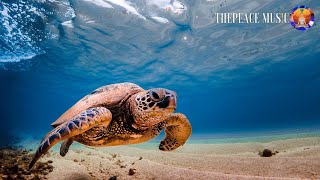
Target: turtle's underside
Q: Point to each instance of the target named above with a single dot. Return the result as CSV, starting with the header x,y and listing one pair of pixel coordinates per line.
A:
x,y
119,114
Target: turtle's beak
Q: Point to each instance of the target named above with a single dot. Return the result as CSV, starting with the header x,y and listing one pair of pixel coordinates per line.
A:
x,y
169,101
172,102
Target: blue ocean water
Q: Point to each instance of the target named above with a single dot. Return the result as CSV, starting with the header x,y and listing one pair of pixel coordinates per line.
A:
x,y
230,78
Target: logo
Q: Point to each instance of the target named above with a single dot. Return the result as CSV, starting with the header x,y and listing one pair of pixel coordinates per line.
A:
x,y
302,18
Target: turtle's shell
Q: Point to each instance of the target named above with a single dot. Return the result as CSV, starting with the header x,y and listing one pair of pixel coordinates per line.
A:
x,y
106,96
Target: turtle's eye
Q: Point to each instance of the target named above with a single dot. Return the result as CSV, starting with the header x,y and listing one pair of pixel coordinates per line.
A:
x,y
155,96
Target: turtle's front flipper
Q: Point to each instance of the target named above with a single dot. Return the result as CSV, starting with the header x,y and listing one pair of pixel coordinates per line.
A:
x,y
178,130
83,122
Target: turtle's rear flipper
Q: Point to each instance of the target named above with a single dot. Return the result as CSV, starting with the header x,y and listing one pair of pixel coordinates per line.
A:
x,y
65,147
178,130
81,123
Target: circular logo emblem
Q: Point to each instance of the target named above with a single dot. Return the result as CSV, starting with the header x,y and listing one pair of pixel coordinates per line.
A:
x,y
302,18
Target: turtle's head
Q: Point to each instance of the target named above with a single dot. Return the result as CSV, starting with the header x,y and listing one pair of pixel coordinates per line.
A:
x,y
152,107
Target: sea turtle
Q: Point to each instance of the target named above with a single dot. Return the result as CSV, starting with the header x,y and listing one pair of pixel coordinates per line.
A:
x,y
119,114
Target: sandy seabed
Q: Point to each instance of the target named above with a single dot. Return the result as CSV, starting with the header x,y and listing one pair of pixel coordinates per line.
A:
x,y
296,158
